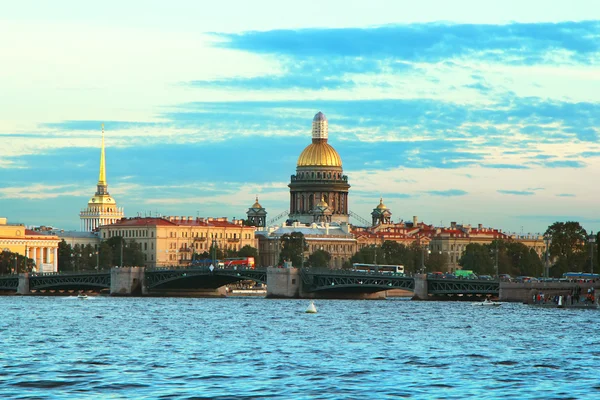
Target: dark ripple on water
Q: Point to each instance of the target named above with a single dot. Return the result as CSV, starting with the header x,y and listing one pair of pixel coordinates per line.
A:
x,y
256,348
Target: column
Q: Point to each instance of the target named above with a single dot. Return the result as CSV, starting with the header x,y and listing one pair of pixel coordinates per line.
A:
x,y
35,256
26,251
55,260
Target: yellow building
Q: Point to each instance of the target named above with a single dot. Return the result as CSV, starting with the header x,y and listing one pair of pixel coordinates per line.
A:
x,y
171,241
102,208
43,249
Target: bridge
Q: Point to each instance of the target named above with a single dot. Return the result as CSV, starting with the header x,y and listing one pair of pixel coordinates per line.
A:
x,y
201,278
330,280
281,282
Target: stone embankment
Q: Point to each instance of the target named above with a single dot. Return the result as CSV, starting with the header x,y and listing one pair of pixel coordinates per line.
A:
x,y
524,292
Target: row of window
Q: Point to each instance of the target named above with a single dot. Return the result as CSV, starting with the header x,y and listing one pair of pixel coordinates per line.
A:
x,y
212,235
318,175
140,233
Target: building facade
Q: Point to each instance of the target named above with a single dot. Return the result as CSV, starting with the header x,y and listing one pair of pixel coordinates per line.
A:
x,y
336,239
42,249
169,241
319,180
102,208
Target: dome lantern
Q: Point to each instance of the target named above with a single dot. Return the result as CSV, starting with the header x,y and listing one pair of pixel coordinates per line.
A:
x,y
319,127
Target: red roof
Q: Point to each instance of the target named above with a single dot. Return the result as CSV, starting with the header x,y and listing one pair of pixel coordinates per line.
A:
x,y
146,221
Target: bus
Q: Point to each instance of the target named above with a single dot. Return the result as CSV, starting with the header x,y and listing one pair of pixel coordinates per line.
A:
x,y
378,268
240,262
580,276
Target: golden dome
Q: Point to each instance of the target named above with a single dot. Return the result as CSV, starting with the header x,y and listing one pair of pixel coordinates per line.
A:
x,y
381,206
256,204
319,155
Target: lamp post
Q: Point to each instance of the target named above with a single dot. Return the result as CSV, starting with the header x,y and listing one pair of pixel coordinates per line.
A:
x,y
547,241
496,260
592,239
424,248
214,251
6,250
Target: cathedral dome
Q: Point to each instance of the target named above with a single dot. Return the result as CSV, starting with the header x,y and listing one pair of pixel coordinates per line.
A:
x,y
319,155
381,206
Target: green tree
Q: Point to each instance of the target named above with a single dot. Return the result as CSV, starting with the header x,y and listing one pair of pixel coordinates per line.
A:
x,y
319,259
477,258
131,252
437,261
133,255
214,252
292,249
568,247
248,251
77,257
414,258
106,256
65,256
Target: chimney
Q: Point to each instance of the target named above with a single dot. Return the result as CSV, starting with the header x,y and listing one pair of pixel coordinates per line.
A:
x,y
453,224
415,220
479,226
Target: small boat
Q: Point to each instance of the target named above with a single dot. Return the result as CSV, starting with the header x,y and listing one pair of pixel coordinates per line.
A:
x,y
487,303
82,296
311,308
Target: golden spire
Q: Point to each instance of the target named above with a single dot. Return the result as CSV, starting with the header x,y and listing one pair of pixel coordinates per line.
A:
x,y
102,177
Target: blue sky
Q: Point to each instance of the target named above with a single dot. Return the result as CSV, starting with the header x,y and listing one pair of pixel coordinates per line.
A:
x,y
466,111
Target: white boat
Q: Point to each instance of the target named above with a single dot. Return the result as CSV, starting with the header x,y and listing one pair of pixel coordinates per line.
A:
x,y
487,303
82,296
311,308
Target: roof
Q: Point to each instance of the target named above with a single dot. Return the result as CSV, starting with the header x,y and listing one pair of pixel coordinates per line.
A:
x,y
150,221
319,155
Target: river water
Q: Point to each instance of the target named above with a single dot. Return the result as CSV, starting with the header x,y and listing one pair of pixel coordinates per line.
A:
x,y
247,348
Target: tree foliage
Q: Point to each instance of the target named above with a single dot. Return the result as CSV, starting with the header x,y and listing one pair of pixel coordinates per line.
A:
x,y
292,249
248,251
320,259
14,263
569,250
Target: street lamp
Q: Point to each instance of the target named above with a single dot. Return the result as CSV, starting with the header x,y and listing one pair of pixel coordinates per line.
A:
x,y
7,250
496,260
424,248
547,241
592,239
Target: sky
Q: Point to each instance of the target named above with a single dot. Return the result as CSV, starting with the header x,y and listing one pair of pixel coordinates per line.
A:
x,y
466,111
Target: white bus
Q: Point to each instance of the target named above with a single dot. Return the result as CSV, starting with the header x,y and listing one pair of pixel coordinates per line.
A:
x,y
378,268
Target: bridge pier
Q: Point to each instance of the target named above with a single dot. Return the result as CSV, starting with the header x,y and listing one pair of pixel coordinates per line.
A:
x,y
127,281
23,287
421,289
283,283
